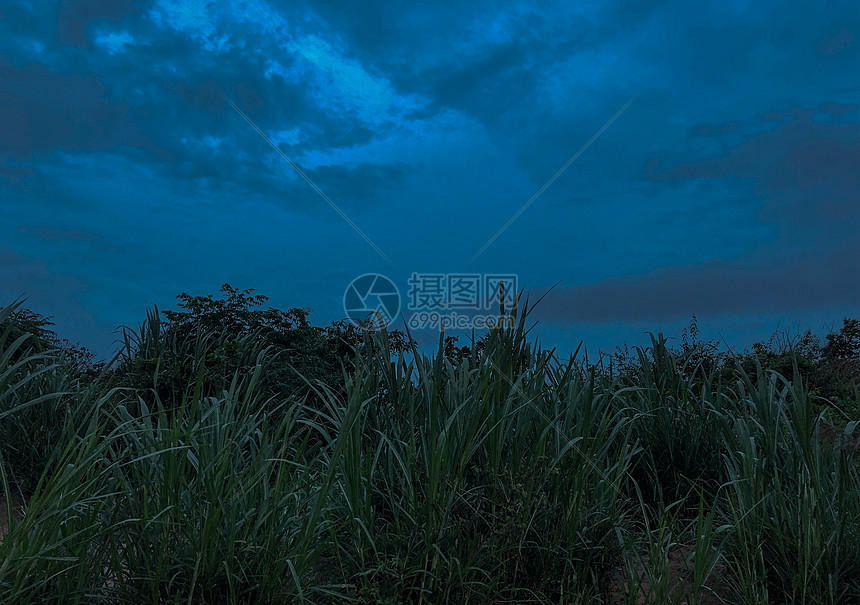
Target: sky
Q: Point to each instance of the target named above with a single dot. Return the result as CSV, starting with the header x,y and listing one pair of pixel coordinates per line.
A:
x,y
715,148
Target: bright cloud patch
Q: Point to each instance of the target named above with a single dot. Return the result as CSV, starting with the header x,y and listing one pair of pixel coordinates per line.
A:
x,y
115,42
337,82
260,14
292,136
190,16
212,23
193,17
370,96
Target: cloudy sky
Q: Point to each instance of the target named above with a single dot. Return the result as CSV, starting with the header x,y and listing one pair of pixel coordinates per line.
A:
x,y
728,188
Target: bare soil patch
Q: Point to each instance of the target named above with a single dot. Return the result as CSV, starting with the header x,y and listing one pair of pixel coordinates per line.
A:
x,y
680,575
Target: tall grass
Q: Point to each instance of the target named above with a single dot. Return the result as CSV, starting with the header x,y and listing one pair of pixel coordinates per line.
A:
x,y
792,501
509,476
33,389
491,478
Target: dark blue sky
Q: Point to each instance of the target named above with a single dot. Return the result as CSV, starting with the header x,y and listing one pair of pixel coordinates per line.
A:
x,y
730,188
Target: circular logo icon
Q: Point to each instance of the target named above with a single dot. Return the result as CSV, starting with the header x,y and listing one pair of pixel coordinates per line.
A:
x,y
372,301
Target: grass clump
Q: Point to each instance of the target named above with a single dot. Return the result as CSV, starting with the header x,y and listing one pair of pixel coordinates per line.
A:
x,y
196,469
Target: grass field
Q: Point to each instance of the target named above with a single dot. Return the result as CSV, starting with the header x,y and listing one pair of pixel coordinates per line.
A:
x,y
507,477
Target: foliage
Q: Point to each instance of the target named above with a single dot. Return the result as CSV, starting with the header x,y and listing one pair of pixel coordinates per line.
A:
x,y
832,371
497,474
224,338
33,383
844,344
20,321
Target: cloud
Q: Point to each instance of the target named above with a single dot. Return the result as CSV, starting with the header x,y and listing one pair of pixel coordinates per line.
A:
x,y
205,96
804,173
196,18
431,125
714,288
361,184
76,15
709,130
115,42
835,44
336,80
801,173
45,111
371,97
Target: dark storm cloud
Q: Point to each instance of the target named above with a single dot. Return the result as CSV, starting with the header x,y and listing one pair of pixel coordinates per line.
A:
x,y
841,42
805,173
484,86
207,96
180,123
76,15
471,56
707,130
805,177
43,111
361,184
714,288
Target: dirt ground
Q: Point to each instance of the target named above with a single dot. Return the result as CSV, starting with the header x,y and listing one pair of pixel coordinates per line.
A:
x,y
680,580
